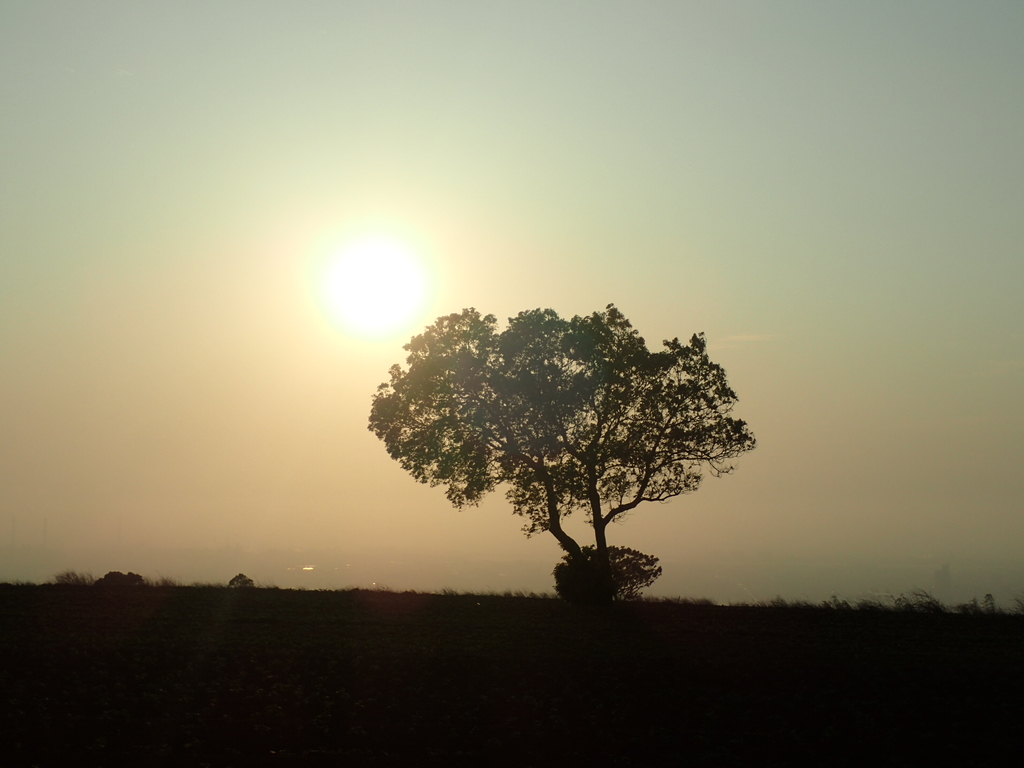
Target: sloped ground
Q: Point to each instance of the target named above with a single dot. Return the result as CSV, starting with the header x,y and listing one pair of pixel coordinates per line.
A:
x,y
251,677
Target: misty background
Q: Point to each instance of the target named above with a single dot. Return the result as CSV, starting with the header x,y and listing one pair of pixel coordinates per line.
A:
x,y
831,192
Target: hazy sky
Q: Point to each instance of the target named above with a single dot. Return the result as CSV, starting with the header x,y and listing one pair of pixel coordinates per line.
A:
x,y
833,192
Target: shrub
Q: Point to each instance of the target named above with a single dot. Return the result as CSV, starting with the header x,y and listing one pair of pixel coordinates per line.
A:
x,y
582,580
241,580
837,603
118,579
632,571
586,580
986,606
919,601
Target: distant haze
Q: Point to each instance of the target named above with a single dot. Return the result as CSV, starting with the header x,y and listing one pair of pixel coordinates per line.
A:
x,y
831,192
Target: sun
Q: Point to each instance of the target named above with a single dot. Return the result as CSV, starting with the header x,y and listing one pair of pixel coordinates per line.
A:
x,y
375,287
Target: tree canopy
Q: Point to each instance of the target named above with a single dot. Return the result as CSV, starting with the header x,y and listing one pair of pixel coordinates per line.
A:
x,y
570,416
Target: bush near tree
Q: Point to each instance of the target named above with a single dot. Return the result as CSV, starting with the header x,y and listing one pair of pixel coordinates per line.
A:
x,y
581,580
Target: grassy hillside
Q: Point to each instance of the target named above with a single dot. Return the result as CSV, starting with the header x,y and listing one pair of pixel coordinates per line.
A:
x,y
218,676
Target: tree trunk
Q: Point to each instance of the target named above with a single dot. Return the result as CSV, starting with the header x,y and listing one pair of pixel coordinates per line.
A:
x,y
601,560
606,586
598,520
567,542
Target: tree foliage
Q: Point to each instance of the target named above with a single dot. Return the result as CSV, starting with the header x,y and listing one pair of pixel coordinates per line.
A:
x,y
570,416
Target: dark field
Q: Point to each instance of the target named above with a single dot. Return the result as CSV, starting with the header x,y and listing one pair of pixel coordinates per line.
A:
x,y
243,677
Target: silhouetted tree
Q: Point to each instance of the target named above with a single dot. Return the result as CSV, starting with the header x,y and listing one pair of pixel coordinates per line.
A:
x,y
118,579
241,580
570,415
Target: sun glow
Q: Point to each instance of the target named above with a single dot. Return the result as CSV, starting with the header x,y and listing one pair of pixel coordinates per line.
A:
x,y
375,287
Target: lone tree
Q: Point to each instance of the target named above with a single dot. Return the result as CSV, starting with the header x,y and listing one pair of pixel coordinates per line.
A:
x,y
241,581
569,415
118,579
